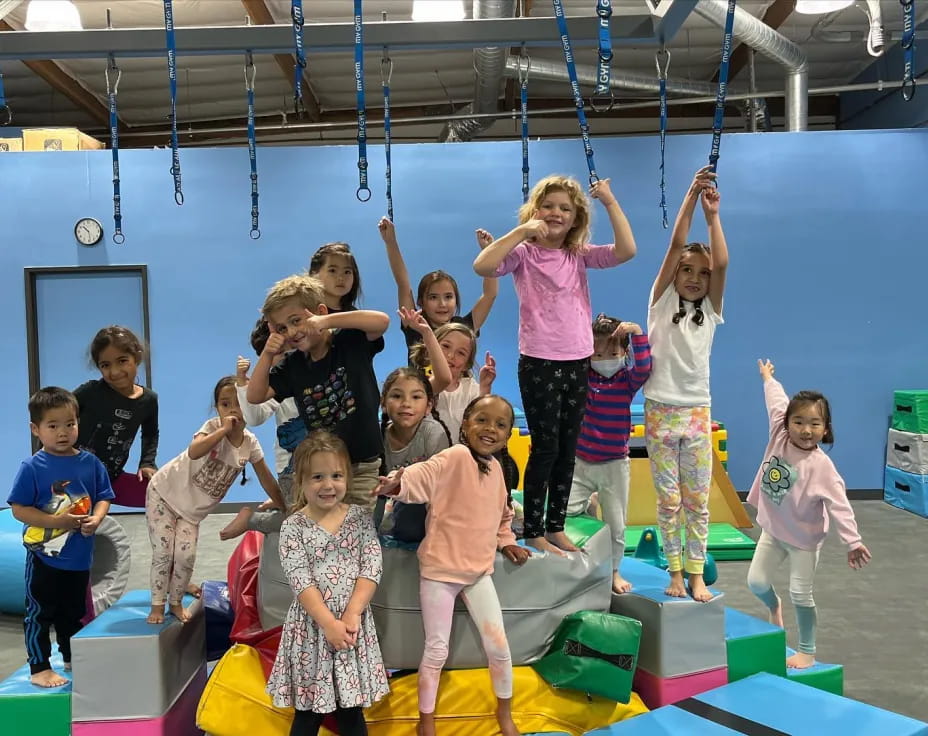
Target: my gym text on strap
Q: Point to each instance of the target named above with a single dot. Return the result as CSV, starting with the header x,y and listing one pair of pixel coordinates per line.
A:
x,y
738,724
255,232
575,88
523,88
6,115
364,192
172,76
604,61
723,87
663,54
386,74
296,15
908,49
112,87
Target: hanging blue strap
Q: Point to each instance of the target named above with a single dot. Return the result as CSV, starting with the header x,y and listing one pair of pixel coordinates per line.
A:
x,y
386,74
575,88
172,76
604,62
523,87
255,232
723,87
296,15
112,87
6,115
364,193
908,49
664,55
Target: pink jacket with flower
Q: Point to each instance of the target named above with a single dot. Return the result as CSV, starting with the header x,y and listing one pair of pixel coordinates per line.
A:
x,y
795,491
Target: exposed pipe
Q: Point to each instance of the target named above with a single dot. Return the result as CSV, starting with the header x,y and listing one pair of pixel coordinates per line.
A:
x,y
758,35
488,68
6,6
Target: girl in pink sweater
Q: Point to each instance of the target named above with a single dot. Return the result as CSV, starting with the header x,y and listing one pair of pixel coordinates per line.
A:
x,y
469,519
795,492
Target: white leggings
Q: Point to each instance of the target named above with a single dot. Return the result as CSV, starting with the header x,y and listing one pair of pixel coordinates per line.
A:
x,y
611,480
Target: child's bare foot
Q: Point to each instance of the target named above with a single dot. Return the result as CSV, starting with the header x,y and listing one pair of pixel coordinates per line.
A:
x,y
195,590
426,724
179,612
238,526
48,678
543,545
559,539
677,587
157,615
699,590
800,660
776,615
504,717
508,727
620,584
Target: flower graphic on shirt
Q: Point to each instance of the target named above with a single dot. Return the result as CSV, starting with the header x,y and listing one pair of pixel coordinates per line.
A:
x,y
778,478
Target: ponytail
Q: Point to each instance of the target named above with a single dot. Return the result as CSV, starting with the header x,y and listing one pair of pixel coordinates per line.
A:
x,y
698,316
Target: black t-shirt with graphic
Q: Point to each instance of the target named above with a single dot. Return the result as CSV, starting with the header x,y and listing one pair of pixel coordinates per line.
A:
x,y
109,421
338,392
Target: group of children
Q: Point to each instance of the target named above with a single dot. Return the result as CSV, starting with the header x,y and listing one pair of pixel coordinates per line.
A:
x,y
433,442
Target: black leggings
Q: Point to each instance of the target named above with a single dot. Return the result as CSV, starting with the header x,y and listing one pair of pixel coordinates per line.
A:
x,y
350,722
554,399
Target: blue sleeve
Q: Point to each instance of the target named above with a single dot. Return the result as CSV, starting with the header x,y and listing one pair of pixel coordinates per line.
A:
x,y
23,492
103,489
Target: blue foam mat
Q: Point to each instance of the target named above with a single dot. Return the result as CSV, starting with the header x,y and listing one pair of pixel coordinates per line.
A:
x,y
739,625
649,581
817,667
126,617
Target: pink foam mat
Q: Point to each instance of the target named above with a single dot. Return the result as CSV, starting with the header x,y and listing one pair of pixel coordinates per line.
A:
x,y
657,691
180,720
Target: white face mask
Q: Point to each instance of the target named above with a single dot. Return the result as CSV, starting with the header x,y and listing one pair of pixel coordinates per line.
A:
x,y
608,368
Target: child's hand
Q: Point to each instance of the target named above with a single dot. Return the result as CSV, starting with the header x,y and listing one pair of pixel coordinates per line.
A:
x,y
710,201
145,474
231,423
274,345
704,179
857,558
627,328
389,484
600,190
487,374
387,230
534,228
336,633
89,525
71,522
516,553
483,238
241,371
352,623
766,369
413,320
315,322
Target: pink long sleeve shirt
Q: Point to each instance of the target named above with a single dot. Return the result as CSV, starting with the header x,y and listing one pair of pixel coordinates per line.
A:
x,y
469,518
796,490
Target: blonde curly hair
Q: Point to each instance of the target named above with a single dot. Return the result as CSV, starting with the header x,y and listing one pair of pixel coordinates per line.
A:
x,y
579,235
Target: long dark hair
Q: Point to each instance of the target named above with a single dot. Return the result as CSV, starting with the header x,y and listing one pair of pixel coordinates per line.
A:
x,y
510,469
804,398
698,316
342,250
121,338
417,375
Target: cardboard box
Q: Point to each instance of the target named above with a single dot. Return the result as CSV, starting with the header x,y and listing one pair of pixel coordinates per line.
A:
x,y
8,145
59,139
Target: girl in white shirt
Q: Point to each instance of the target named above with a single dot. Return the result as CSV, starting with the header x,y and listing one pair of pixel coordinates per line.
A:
x,y
685,308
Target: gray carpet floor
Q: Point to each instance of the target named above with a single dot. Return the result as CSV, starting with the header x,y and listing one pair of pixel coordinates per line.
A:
x,y
873,621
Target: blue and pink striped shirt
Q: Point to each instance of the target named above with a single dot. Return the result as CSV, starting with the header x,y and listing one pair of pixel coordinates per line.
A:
x,y
607,418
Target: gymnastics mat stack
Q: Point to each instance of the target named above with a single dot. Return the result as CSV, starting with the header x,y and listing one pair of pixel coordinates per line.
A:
x,y
770,705
905,482
35,711
134,677
753,645
682,649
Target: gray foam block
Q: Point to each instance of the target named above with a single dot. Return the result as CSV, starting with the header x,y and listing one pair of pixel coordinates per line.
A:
x,y
274,593
125,668
679,636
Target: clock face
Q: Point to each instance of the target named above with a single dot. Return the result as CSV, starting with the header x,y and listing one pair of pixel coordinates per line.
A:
x,y
88,231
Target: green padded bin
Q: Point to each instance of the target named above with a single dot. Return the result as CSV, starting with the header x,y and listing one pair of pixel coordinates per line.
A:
x,y
910,411
28,709
753,645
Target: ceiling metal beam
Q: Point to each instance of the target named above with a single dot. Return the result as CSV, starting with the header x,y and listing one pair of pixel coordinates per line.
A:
x,y
63,83
260,15
775,16
627,30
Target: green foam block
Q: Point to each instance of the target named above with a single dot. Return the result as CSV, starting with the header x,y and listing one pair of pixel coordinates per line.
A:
x,y
753,645
725,542
827,677
38,711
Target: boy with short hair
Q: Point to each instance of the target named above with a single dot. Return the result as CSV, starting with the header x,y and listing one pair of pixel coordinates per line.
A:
x,y
330,372
61,495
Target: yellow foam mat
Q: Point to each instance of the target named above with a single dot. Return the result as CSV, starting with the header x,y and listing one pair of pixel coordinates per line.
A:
x,y
234,703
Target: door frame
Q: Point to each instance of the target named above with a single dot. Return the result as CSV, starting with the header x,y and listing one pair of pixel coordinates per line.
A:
x,y
30,275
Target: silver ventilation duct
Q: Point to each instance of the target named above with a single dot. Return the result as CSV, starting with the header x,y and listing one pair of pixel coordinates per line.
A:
x,y
488,65
765,40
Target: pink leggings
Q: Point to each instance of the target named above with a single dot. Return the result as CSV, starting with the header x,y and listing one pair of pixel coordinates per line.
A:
x,y
173,550
437,601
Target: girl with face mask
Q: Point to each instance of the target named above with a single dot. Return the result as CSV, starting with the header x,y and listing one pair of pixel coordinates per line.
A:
x,y
619,366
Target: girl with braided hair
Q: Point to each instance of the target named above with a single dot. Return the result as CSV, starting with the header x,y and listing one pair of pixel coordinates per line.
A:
x,y
685,308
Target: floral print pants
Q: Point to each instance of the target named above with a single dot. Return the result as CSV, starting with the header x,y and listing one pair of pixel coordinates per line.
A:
x,y
679,441
173,550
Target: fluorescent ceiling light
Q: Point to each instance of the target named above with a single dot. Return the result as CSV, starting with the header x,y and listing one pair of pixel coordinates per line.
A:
x,y
52,15
438,10
820,7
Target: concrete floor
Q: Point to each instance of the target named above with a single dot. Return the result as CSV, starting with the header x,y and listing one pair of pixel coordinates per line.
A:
x,y
874,621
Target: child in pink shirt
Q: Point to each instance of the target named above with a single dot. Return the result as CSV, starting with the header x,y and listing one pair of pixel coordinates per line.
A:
x,y
548,255
796,490
468,521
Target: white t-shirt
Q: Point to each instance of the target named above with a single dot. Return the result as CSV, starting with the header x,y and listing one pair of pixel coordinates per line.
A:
x,y
284,412
451,405
193,488
680,352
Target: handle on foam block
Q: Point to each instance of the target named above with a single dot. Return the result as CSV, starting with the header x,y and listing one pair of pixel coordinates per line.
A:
x,y
903,407
578,649
902,486
901,448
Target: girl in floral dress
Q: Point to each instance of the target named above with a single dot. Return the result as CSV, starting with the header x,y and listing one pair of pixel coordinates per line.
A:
x,y
329,657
